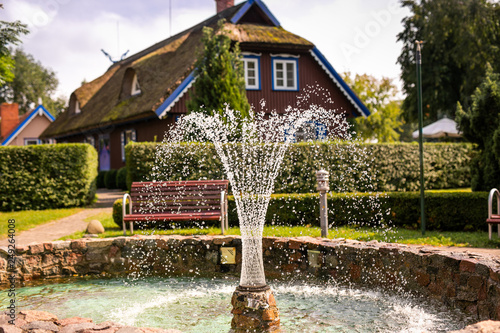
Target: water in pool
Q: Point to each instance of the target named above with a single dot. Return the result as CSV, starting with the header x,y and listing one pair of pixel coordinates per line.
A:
x,y
203,305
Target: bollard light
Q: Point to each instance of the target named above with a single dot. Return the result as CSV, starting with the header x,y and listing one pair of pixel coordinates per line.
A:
x,y
323,180
322,177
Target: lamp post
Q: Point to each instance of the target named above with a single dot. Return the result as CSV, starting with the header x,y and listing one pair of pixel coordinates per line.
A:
x,y
420,136
323,187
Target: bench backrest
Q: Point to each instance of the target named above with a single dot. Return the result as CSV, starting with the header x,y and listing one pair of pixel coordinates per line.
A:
x,y
177,196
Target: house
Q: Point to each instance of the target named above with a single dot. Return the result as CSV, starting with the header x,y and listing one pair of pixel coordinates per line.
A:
x,y
22,130
137,98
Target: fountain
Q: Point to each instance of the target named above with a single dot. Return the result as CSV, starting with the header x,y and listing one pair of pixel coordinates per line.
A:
x,y
251,150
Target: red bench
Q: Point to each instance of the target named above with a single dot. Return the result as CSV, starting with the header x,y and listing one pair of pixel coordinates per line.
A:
x,y
493,218
190,200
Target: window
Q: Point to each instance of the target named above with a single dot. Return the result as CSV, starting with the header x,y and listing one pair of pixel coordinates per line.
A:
x,y
130,84
285,74
136,89
74,105
31,141
252,72
90,140
126,137
309,131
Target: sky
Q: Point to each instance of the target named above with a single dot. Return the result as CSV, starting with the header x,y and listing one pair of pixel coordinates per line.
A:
x,y
67,36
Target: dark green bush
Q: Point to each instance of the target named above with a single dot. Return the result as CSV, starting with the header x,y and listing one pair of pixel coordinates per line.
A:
x,y
121,178
100,179
445,211
47,176
352,167
110,179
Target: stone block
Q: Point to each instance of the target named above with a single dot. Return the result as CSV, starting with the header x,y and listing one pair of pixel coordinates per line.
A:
x,y
78,245
7,328
41,325
221,240
34,315
36,249
468,265
99,244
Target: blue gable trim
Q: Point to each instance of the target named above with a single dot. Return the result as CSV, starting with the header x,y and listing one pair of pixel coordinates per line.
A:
x,y
360,107
174,97
26,121
247,6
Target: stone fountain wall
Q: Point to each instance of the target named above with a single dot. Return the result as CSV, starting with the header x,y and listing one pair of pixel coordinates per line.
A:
x,y
458,280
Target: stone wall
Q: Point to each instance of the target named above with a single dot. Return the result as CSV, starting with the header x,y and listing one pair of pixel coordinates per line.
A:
x,y
459,280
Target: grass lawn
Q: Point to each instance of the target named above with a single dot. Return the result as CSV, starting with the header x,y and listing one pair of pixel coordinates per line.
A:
x,y
394,235
28,219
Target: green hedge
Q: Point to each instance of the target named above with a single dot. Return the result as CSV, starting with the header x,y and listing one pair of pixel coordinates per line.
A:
x,y
353,167
445,211
121,179
47,176
110,179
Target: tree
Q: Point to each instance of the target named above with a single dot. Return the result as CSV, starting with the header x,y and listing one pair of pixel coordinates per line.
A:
x,y
459,37
31,81
219,75
480,124
9,35
379,96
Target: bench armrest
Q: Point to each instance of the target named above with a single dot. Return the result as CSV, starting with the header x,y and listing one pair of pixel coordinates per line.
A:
x,y
124,211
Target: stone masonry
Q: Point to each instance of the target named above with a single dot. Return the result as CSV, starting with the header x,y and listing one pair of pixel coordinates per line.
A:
x,y
458,280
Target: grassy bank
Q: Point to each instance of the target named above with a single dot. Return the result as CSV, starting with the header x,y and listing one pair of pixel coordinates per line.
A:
x,y
31,218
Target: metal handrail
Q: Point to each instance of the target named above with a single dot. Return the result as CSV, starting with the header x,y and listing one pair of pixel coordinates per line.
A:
x,y
490,202
124,210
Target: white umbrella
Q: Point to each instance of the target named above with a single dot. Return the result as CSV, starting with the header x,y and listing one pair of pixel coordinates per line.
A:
x,y
445,127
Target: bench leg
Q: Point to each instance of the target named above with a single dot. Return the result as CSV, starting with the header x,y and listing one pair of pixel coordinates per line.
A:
x,y
131,227
124,228
489,230
498,230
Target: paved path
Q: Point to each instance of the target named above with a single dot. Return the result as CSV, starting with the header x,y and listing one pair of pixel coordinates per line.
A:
x,y
67,225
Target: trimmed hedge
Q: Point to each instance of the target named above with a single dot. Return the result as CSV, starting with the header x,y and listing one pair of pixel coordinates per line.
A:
x,y
110,179
100,179
121,178
47,176
445,211
353,167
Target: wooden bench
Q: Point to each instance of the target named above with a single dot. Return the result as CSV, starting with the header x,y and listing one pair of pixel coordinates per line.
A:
x,y
493,218
191,200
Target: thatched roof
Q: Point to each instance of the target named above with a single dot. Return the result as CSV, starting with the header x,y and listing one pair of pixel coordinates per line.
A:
x,y
160,69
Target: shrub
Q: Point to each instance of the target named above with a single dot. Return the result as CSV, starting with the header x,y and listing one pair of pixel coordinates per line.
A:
x,y
352,167
47,176
100,179
110,179
445,211
121,178
117,211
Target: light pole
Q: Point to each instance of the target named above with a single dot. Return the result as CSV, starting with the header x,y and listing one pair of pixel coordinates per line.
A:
x,y
420,136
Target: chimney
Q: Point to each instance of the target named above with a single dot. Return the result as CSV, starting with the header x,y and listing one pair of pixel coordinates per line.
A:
x,y
223,4
10,117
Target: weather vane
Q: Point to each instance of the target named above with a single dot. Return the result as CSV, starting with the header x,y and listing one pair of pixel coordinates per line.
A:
x,y
111,59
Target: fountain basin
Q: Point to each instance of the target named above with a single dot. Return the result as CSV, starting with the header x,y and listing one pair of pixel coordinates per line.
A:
x,y
470,283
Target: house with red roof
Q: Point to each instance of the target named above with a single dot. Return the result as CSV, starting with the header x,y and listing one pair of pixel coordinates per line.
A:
x,y
22,130
137,98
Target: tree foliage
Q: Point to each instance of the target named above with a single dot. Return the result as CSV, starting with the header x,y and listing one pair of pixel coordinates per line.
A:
x,y
480,124
219,75
379,96
9,35
31,81
459,37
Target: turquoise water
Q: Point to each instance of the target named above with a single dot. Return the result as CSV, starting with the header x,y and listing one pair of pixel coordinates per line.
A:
x,y
203,306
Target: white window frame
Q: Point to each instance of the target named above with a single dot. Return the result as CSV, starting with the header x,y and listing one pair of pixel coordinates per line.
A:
x,y
136,87
35,141
77,107
256,61
285,61
133,138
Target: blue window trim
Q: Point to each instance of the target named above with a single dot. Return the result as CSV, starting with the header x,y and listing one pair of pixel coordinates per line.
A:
x,y
258,71
273,61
